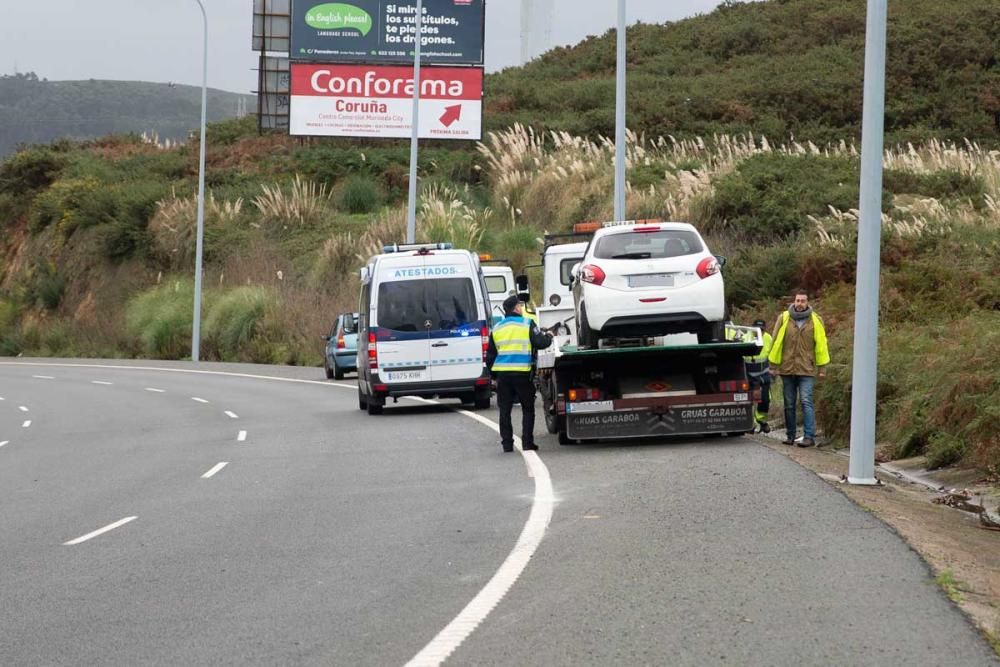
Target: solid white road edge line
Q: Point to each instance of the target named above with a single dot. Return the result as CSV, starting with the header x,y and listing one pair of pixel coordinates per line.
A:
x,y
26,424
232,415
517,560
216,468
99,531
198,400
463,625
242,436
156,391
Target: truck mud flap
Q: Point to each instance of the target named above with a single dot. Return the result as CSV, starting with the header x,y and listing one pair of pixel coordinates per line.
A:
x,y
691,420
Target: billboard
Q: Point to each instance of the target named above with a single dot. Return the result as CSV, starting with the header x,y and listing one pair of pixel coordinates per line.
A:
x,y
377,101
382,31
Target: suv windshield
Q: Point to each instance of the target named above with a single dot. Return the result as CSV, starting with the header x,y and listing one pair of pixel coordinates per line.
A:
x,y
649,245
422,305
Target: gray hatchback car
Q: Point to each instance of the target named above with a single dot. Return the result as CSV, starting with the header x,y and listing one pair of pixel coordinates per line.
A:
x,y
342,347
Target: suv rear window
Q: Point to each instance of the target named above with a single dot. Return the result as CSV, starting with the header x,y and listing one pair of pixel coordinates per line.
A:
x,y
648,245
408,305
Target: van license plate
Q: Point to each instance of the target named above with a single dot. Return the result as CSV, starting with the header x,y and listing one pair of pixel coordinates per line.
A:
x,y
405,376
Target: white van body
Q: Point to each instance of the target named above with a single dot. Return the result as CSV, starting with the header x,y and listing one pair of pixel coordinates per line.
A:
x,y
499,286
424,327
557,266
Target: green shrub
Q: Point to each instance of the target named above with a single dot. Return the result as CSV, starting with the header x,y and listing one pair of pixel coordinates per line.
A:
x,y
49,287
770,196
235,319
359,194
943,184
30,170
161,320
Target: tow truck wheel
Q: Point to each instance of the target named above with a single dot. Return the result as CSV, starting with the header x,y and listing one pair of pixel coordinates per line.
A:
x,y
551,422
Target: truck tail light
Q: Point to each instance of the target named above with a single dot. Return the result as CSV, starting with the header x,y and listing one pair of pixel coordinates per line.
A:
x,y
341,345
726,386
584,394
372,351
707,267
593,274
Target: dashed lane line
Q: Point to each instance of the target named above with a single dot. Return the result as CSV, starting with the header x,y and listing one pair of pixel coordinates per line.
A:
x,y
23,408
232,415
26,424
198,400
43,377
156,391
100,531
216,468
4,443
241,436
101,382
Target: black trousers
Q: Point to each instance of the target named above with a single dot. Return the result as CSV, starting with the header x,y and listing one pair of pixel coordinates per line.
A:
x,y
509,387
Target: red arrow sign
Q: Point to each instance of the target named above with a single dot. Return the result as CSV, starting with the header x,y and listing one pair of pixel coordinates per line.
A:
x,y
451,114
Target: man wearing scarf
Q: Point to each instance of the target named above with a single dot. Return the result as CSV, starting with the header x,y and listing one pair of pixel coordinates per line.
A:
x,y
799,354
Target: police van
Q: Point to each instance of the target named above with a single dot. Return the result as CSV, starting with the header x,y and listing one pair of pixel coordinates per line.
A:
x,y
424,327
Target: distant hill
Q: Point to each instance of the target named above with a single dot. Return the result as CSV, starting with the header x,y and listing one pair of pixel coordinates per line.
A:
x,y
34,110
775,68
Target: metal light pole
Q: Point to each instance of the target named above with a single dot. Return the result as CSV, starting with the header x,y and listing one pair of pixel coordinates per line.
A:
x,y
620,211
864,378
411,211
196,331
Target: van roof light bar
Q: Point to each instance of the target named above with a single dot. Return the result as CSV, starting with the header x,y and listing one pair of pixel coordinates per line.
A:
x,y
406,247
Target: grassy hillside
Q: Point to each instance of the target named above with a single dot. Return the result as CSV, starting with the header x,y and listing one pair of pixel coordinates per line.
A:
x,y
96,254
778,68
38,111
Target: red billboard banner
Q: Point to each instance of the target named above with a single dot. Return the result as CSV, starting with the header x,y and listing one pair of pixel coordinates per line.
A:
x,y
376,101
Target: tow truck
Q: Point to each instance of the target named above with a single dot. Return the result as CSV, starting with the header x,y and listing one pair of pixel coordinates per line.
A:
x,y
631,388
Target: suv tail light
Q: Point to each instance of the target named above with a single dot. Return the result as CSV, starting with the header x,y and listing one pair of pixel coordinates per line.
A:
x,y
593,274
341,345
707,267
372,351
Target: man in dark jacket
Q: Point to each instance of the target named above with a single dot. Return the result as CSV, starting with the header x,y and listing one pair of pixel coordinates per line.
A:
x,y
511,357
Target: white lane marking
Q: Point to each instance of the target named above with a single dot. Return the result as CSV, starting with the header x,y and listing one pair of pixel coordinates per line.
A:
x,y
198,400
242,436
463,625
100,531
216,468
22,408
232,415
2,398
156,391
26,424
100,382
43,377
4,443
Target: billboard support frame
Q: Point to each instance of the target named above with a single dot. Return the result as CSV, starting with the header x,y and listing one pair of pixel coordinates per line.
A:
x,y
411,204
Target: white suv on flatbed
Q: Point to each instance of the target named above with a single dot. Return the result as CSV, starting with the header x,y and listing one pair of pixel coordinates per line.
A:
x,y
648,279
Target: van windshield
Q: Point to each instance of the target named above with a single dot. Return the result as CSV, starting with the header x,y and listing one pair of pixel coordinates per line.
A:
x,y
423,305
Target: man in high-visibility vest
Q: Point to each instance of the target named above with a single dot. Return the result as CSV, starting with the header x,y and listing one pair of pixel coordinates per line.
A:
x,y
799,355
758,372
511,357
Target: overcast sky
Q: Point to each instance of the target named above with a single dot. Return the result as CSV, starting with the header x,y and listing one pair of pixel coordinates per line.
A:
x,y
160,40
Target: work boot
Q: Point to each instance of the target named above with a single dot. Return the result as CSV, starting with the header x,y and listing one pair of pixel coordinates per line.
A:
x,y
530,448
807,442
507,448
765,427
789,440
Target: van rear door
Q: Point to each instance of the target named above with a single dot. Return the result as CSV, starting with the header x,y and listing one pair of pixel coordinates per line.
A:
x,y
402,332
458,319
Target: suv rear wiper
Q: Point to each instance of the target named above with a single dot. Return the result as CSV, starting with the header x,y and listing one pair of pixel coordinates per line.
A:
x,y
633,255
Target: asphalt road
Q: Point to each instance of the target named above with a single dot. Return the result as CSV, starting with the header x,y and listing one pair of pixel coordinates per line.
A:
x,y
331,537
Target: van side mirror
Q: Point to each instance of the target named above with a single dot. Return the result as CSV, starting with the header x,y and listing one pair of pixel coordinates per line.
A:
x,y
721,259
523,290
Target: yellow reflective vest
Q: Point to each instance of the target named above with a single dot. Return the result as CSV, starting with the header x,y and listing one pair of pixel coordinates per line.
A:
x,y
821,349
512,337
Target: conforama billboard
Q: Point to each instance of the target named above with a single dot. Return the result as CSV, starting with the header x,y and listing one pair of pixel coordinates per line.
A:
x,y
381,31
377,101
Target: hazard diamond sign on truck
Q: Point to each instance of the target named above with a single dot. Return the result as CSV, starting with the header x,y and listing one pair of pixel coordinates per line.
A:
x,y
377,101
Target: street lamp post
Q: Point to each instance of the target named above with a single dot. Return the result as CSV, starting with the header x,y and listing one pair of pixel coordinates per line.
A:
x,y
864,378
620,211
411,207
200,234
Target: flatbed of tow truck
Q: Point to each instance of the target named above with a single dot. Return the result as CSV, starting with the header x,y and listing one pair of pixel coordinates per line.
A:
x,y
643,391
